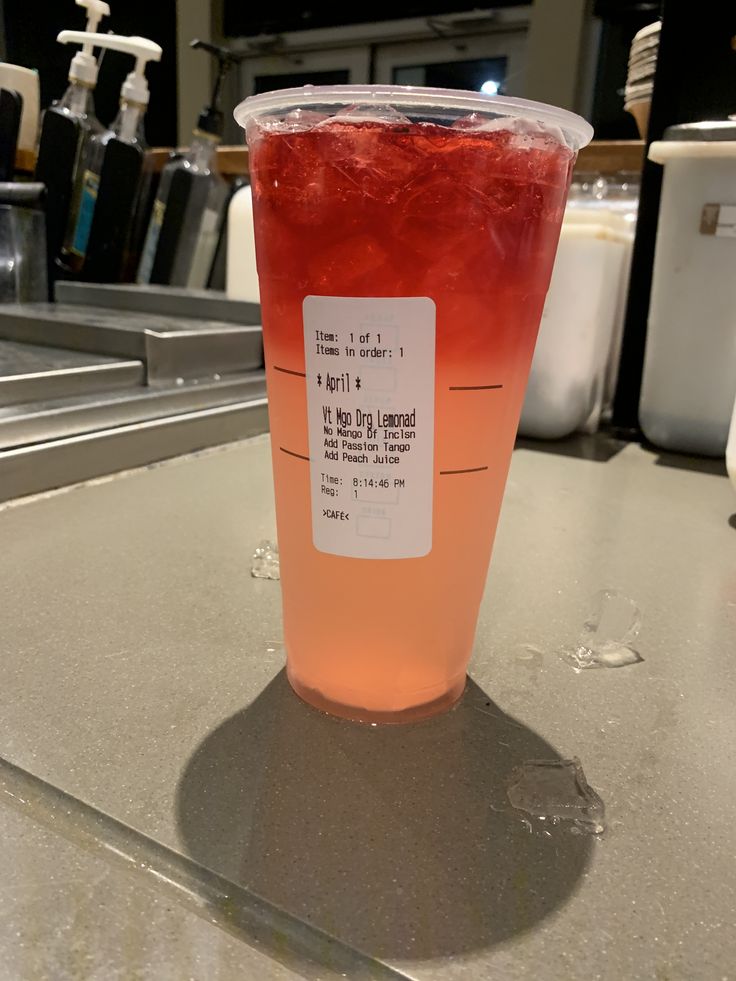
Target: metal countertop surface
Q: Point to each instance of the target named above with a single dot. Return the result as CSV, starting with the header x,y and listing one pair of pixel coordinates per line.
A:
x,y
169,809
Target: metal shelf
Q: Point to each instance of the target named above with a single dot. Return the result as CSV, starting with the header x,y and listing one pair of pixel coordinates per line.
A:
x,y
29,373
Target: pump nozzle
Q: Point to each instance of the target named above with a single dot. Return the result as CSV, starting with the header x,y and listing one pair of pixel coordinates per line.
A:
x,y
84,66
96,10
135,87
210,119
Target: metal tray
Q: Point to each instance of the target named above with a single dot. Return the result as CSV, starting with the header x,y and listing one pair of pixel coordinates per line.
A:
x,y
29,373
168,301
44,466
172,347
40,422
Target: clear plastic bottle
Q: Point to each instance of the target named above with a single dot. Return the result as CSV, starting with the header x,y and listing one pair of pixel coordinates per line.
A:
x,y
110,170
67,125
205,237
78,102
183,231
188,211
127,128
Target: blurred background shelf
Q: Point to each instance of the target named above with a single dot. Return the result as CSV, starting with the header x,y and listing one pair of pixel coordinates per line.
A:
x,y
232,160
610,156
604,156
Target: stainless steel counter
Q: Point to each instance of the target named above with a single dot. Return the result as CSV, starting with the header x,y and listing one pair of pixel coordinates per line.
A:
x,y
180,781
139,375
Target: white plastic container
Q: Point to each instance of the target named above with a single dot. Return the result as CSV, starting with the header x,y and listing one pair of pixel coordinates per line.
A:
x,y
731,449
24,81
614,354
241,280
571,359
689,381
624,202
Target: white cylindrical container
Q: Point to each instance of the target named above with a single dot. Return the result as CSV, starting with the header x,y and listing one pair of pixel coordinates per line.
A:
x,y
566,383
625,207
731,449
241,280
24,81
614,356
689,379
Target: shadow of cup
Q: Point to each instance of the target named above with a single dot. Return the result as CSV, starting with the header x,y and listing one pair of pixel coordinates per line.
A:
x,y
398,840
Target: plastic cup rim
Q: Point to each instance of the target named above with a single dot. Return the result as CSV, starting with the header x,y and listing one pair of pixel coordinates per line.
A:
x,y
578,132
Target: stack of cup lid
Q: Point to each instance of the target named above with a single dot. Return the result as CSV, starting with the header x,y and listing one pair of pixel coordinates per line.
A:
x,y
640,78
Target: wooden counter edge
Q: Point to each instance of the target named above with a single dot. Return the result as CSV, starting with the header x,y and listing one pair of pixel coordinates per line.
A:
x,y
600,156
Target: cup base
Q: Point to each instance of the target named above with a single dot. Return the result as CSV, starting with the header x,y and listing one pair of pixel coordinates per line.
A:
x,y
413,713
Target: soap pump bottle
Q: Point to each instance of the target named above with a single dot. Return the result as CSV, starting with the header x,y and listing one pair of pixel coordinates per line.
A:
x,y
110,171
67,124
184,228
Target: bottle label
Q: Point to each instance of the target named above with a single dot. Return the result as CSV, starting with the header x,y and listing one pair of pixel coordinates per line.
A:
x,y
719,220
87,203
148,254
210,219
205,250
370,365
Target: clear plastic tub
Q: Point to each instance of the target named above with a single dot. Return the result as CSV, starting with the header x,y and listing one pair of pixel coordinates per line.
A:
x,y
579,336
731,449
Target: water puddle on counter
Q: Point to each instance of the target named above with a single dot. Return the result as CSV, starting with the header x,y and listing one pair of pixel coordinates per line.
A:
x,y
608,634
556,791
265,563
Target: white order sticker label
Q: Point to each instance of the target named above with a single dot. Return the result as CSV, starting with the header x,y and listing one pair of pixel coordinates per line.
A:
x,y
370,411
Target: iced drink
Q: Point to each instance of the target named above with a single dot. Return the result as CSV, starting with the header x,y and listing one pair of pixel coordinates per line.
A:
x,y
404,253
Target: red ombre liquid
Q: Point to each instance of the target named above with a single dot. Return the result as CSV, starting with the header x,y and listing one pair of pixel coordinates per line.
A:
x,y
370,209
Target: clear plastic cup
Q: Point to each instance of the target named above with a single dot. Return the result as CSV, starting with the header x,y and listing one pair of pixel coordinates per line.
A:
x,y
405,240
